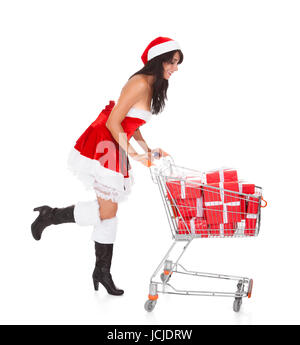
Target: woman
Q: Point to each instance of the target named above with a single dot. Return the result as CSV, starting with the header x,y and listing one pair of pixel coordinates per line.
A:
x,y
100,156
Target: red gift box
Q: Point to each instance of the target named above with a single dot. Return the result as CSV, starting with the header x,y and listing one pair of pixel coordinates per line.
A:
x,y
220,205
193,226
222,175
222,229
184,189
186,197
245,188
189,208
251,216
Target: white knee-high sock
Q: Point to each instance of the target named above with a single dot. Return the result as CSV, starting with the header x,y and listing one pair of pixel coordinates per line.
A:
x,y
105,230
87,213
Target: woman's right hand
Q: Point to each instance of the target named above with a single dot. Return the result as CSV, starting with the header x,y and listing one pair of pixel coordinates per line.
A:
x,y
144,158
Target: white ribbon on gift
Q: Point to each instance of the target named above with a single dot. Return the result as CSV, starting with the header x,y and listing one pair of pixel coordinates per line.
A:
x,y
240,187
200,207
219,203
221,173
222,230
251,216
182,189
192,223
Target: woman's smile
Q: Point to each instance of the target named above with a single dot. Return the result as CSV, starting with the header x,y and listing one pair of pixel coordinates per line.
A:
x,y
171,67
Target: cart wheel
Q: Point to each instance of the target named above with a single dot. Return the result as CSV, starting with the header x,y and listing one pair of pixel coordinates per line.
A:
x,y
237,304
150,304
164,278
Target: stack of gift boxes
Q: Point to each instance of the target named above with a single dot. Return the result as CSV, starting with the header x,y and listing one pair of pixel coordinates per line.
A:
x,y
218,204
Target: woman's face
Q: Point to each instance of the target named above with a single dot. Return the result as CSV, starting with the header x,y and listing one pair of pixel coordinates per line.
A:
x,y
169,68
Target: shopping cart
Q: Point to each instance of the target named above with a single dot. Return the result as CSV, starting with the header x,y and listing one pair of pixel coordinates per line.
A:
x,y
180,212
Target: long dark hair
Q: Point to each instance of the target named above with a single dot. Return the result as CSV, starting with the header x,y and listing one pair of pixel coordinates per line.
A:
x,y
160,85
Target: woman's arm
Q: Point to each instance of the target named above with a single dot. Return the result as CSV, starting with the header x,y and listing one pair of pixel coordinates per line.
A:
x,y
141,141
153,154
132,92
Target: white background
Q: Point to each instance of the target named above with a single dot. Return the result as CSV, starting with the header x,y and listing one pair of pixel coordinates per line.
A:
x,y
233,102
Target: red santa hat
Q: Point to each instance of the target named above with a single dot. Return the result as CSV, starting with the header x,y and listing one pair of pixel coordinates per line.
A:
x,y
158,46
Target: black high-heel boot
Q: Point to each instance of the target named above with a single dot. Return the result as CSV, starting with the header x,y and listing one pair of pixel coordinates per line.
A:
x,y
51,216
101,272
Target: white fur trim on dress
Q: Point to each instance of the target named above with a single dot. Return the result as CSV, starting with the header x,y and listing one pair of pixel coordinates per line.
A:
x,y
139,114
93,175
87,213
162,48
105,231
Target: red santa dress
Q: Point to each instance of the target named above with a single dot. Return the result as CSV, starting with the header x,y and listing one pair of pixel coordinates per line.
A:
x,y
100,162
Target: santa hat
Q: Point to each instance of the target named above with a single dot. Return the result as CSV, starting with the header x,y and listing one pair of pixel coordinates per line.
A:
x,y
158,46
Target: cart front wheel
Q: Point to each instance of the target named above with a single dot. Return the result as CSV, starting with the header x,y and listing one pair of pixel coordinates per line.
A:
x,y
237,304
150,305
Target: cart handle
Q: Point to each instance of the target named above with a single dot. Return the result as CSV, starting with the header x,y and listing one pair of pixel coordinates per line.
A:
x,y
265,205
163,154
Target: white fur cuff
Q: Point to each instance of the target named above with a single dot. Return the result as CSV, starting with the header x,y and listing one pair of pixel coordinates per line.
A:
x,y
87,213
105,231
